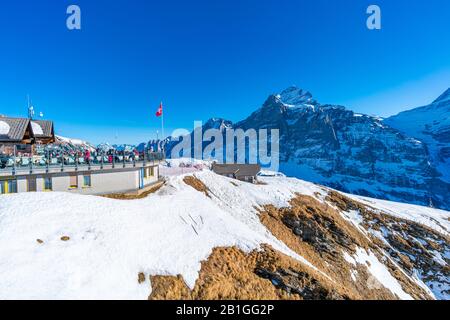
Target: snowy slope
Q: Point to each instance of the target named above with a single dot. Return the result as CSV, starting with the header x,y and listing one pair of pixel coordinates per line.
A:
x,y
112,241
435,219
71,141
167,233
74,143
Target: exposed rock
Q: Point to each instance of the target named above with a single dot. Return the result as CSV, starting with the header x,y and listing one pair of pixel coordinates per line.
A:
x,y
232,274
299,283
196,184
329,237
413,246
141,277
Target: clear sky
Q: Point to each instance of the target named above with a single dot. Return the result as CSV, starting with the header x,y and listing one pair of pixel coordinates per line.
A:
x,y
214,58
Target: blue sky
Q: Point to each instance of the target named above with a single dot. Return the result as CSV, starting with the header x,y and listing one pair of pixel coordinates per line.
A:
x,y
214,58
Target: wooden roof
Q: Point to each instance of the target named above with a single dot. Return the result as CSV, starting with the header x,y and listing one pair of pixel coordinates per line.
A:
x,y
14,130
17,129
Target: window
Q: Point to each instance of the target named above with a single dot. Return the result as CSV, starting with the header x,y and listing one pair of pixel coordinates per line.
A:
x,y
148,172
8,186
87,181
12,186
48,184
74,181
31,184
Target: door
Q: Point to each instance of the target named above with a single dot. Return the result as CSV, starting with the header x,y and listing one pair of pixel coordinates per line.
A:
x,y
31,181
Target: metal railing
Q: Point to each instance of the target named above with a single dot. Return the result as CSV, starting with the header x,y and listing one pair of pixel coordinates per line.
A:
x,y
61,162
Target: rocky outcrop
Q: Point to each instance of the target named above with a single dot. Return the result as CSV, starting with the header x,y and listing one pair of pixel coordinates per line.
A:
x,y
331,240
419,250
320,232
231,274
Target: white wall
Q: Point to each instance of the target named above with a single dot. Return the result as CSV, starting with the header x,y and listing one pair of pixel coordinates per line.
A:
x,y
102,182
22,185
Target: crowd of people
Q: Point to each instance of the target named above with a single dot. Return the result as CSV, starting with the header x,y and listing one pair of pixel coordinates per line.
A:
x,y
74,155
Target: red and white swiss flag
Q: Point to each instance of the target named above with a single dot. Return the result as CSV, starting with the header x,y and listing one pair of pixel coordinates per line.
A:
x,y
159,113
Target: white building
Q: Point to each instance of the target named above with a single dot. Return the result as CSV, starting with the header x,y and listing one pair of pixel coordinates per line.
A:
x,y
94,180
23,170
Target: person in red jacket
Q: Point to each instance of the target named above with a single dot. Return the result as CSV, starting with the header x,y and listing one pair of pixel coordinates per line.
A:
x,y
87,156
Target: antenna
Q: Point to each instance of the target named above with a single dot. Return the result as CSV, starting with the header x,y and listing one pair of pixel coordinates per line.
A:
x,y
30,108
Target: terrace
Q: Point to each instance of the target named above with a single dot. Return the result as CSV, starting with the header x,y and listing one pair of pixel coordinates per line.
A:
x,y
33,158
50,162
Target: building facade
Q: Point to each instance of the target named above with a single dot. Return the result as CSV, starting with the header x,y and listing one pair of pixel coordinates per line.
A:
x,y
82,180
23,133
30,161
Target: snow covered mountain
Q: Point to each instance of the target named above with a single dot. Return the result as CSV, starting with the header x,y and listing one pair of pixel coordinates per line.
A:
x,y
204,236
430,124
74,143
356,153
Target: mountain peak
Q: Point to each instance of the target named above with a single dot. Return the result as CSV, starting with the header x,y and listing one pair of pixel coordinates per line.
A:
x,y
443,97
218,123
295,96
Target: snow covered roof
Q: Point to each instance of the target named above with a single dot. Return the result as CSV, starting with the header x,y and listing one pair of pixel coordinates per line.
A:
x,y
13,129
4,127
37,129
42,128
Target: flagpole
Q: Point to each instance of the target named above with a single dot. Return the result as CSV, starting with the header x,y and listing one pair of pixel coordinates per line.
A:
x,y
162,126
